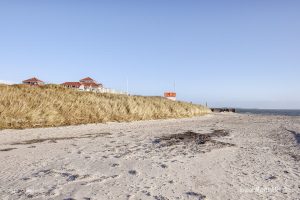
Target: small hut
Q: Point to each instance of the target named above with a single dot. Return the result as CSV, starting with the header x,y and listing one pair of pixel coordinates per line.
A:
x,y
170,95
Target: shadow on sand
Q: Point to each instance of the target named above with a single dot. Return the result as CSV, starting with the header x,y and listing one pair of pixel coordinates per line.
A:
x,y
296,135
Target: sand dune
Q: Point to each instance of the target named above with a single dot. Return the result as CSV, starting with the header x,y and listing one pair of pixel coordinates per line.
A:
x,y
23,106
218,156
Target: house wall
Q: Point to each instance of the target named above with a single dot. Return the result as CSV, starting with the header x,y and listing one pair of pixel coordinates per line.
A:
x,y
99,90
33,83
171,98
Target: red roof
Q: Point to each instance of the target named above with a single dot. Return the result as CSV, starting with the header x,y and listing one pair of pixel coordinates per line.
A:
x,y
170,94
31,80
72,84
87,79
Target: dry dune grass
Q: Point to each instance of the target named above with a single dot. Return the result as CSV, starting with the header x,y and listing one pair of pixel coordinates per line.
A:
x,y
51,105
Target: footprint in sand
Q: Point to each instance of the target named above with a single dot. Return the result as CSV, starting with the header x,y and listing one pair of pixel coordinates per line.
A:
x,y
132,172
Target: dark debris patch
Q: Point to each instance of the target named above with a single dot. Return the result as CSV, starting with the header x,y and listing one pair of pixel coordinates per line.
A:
x,y
192,141
164,166
189,137
194,194
55,139
8,149
132,172
156,141
159,197
272,178
72,177
115,165
146,193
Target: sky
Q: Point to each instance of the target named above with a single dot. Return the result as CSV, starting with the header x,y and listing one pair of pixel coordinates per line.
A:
x,y
233,53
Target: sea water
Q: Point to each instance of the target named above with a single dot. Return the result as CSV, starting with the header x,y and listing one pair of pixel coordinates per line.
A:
x,y
270,112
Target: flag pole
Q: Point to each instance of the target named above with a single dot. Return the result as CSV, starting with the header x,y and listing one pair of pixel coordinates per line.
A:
x,y
127,86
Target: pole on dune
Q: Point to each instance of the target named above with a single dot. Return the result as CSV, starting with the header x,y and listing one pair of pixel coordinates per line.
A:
x,y
174,86
127,86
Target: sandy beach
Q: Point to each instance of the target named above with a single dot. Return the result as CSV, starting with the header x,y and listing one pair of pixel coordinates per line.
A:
x,y
217,156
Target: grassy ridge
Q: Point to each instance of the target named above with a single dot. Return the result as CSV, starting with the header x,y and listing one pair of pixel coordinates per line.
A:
x,y
51,105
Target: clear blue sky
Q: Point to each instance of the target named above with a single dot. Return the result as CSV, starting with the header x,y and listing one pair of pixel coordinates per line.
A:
x,y
228,53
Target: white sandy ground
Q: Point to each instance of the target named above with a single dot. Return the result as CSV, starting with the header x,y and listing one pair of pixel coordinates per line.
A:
x,y
128,161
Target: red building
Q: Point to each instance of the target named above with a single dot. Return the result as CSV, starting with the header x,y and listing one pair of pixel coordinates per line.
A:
x,y
84,84
170,96
87,80
33,81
